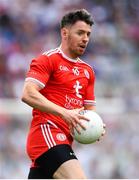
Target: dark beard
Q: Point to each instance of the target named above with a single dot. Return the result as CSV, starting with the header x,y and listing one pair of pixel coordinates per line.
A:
x,y
75,53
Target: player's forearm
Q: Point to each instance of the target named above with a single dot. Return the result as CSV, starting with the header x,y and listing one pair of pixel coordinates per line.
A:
x,y
90,107
36,100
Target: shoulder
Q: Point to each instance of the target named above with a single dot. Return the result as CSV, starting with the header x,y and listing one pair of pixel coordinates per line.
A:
x,y
51,53
46,57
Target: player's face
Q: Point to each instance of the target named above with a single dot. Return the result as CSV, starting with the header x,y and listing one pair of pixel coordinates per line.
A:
x,y
78,38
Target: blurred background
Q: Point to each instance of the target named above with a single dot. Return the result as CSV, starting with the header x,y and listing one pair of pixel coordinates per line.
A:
x,y
30,27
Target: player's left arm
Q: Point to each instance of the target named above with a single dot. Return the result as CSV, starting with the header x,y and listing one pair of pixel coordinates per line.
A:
x,y
90,107
89,100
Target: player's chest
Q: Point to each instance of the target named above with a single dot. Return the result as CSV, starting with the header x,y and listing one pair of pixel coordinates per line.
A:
x,y
71,75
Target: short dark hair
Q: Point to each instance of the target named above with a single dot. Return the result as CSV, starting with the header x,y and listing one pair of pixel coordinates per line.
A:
x,y
77,15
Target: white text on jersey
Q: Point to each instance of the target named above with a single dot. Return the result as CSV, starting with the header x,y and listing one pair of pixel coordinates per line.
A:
x,y
63,68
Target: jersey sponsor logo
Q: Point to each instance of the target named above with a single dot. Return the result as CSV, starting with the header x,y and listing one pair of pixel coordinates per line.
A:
x,y
63,68
72,102
77,86
86,73
61,137
75,71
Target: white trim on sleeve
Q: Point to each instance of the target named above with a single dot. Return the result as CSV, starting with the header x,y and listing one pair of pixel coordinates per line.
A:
x,y
35,81
90,102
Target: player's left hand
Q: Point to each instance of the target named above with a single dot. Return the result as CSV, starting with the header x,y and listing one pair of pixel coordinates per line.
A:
x,y
104,126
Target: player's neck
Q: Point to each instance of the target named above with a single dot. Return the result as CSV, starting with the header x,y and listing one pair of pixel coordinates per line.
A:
x,y
66,52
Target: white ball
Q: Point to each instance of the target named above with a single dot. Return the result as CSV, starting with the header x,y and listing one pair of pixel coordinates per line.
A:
x,y
94,128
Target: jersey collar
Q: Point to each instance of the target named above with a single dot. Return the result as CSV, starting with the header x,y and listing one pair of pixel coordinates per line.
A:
x,y
66,57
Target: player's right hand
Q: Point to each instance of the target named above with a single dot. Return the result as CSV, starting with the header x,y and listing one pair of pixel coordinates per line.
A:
x,y
73,119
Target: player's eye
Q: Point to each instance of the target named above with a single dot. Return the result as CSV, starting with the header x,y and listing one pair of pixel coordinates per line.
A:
x,y
80,33
88,34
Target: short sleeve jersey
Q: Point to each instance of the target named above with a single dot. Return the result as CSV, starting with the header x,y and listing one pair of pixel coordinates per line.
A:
x,y
66,82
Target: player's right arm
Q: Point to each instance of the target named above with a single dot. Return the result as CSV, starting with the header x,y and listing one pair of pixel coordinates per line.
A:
x,y
35,99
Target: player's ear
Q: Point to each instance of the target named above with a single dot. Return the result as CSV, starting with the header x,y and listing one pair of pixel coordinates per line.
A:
x,y
64,33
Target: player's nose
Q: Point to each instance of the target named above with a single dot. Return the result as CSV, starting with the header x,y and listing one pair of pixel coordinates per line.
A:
x,y
85,39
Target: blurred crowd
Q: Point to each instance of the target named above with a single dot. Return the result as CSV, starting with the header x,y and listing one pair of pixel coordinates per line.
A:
x,y
30,27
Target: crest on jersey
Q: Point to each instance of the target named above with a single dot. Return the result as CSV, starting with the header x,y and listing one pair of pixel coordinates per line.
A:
x,y
61,137
86,73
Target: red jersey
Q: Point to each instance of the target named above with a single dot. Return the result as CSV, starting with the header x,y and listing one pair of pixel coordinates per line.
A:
x,y
66,82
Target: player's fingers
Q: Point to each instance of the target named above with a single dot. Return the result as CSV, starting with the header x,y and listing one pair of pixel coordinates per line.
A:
x,y
99,138
71,130
78,123
104,125
103,133
83,117
74,124
81,125
78,129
